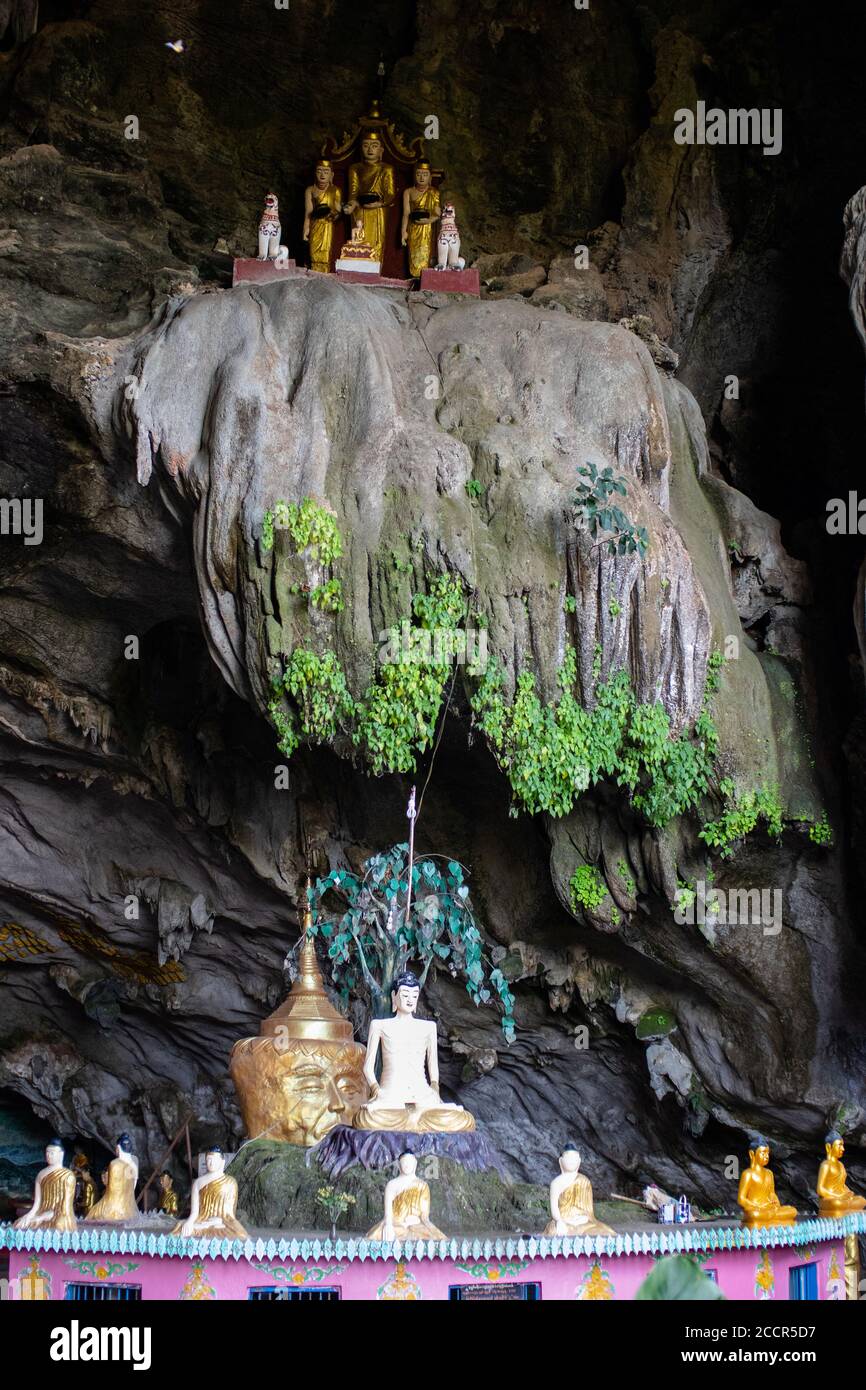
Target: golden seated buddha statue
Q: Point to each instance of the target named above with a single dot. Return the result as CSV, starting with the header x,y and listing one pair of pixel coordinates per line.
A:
x,y
835,1198
571,1209
167,1195
407,1207
53,1196
212,1203
757,1192
406,1097
117,1202
85,1187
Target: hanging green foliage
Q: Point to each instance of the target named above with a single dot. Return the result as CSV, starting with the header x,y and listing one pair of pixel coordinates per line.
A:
x,y
552,753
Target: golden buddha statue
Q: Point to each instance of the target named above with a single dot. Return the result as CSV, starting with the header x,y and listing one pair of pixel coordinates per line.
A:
x,y
304,1073
404,1099
212,1203
757,1192
85,1187
835,1197
420,212
407,1207
571,1209
117,1202
53,1196
167,1195
322,207
372,191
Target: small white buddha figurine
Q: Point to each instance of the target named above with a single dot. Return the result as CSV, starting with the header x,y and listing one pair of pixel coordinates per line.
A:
x,y
571,1209
407,1206
404,1098
117,1202
212,1203
53,1196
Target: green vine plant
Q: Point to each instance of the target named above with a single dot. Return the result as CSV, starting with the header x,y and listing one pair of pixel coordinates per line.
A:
x,y
311,526
744,811
396,719
314,531
553,753
596,511
370,940
587,887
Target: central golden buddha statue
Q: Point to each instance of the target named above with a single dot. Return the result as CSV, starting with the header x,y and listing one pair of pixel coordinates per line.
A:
x,y
835,1198
304,1073
372,190
757,1192
406,1097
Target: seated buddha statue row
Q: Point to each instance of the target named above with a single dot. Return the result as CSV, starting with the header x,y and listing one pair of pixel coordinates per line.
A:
x,y
213,1197
757,1189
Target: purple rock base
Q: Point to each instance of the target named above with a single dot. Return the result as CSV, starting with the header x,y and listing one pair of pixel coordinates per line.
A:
x,y
345,1148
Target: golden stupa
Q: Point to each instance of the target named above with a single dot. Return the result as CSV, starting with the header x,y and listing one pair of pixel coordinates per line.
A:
x,y
303,1074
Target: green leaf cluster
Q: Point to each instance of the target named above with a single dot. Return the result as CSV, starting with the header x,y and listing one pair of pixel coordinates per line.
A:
x,y
323,702
588,888
311,526
328,596
601,516
396,719
741,815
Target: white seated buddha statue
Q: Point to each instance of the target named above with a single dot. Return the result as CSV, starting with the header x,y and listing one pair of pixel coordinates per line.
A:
x,y
406,1096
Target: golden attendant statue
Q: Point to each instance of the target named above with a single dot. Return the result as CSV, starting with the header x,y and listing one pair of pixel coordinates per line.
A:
x,y
757,1192
322,207
53,1196
167,1195
835,1198
407,1207
420,213
85,1187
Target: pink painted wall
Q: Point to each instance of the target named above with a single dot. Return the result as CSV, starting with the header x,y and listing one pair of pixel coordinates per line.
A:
x,y
741,1274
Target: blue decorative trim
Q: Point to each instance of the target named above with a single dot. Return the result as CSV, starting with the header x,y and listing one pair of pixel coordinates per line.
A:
x,y
664,1241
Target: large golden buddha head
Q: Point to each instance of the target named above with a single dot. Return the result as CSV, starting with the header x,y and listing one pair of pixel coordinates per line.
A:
x,y
303,1074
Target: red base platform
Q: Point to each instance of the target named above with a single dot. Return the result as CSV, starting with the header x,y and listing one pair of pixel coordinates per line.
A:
x,y
451,281
261,272
360,277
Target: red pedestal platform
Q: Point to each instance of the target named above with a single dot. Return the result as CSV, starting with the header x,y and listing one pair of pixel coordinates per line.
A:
x,y
451,281
261,272
360,277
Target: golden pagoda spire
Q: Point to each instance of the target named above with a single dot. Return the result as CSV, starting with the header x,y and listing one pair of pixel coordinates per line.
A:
x,y
307,1013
